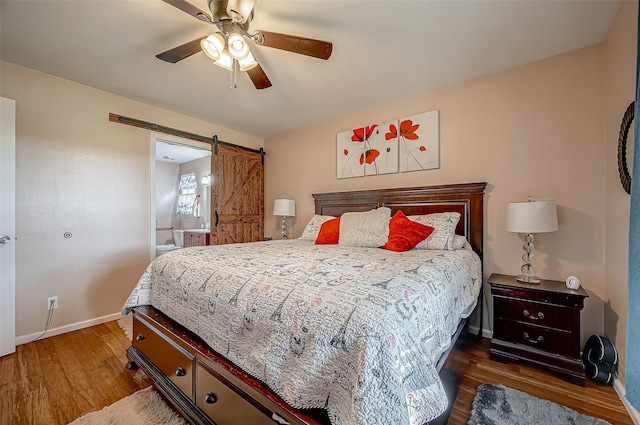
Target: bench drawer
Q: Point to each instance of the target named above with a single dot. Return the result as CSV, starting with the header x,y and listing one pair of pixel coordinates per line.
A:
x,y
224,405
173,360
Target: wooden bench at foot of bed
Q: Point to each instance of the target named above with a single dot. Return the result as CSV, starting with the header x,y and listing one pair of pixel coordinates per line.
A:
x,y
202,385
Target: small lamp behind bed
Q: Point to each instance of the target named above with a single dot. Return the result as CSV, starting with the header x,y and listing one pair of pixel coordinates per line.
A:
x,y
284,208
530,217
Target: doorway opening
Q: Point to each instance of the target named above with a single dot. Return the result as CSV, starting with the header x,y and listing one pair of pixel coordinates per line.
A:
x,y
172,157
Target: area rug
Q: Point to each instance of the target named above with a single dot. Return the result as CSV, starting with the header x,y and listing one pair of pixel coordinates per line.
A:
x,y
126,324
496,404
144,407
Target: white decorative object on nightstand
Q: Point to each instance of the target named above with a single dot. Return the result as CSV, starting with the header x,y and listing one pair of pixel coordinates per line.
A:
x,y
573,282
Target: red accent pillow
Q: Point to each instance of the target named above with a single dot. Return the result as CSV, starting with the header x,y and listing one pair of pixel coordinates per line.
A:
x,y
329,232
405,234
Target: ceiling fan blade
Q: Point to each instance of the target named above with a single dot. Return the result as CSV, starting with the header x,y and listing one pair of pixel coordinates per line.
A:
x,y
181,52
187,7
259,78
304,46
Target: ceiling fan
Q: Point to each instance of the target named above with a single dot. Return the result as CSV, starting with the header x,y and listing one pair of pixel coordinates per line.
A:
x,y
228,47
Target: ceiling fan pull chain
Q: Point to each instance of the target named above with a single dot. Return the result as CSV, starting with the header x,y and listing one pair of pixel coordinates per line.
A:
x,y
233,75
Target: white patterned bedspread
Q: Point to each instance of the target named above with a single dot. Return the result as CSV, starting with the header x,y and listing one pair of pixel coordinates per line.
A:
x,y
356,331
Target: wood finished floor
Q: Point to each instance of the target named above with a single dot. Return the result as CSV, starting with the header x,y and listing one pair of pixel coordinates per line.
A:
x,y
470,359
55,380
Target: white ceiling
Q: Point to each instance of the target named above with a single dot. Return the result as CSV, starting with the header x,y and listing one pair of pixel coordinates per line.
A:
x,y
383,51
178,153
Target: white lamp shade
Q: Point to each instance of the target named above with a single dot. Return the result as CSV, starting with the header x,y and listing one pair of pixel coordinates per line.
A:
x,y
237,46
225,61
284,207
213,45
240,10
248,63
532,217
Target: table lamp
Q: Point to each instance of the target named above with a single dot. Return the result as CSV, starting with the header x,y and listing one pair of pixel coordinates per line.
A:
x,y
284,208
531,217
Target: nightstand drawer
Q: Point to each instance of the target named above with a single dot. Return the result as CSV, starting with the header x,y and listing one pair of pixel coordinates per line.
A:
x,y
548,339
534,313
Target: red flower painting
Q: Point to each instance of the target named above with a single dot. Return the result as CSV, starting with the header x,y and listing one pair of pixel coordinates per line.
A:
x,y
363,133
408,144
365,153
418,137
369,156
407,130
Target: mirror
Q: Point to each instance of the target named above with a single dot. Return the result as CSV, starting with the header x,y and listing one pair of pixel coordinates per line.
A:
x,y
625,149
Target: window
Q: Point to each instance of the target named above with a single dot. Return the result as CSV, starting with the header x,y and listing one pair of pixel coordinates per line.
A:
x,y
187,194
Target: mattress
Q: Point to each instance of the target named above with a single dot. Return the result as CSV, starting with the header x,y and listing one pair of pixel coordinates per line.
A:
x,y
355,331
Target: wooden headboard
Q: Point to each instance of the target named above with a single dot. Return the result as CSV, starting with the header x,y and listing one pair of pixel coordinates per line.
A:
x,y
465,198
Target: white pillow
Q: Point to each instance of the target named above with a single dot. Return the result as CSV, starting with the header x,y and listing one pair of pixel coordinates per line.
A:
x,y
367,229
459,242
444,225
311,230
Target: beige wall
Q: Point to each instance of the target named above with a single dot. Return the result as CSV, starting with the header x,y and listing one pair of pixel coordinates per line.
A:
x,y
534,130
77,172
619,84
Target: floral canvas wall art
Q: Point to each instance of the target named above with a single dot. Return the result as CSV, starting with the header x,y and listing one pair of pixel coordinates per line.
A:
x,y
418,137
408,144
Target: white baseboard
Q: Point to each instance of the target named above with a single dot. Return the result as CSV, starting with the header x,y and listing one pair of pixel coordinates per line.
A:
x,y
23,339
622,392
486,333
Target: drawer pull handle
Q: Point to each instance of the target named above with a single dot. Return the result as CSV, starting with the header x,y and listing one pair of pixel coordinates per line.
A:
x,y
540,315
533,341
210,398
180,371
140,337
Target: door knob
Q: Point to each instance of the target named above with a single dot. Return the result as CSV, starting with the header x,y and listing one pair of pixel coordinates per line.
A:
x,y
4,240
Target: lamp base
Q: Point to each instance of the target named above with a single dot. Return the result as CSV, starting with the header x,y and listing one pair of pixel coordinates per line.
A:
x,y
285,235
527,279
528,269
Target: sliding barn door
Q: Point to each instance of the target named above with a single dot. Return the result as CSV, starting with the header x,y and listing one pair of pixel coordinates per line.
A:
x,y
237,196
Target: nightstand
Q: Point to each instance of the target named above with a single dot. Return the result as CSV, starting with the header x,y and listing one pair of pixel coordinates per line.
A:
x,y
539,324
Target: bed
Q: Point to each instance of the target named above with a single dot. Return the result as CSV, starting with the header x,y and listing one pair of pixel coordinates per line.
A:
x,y
291,332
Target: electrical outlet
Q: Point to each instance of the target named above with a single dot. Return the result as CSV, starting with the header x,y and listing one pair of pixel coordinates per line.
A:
x,y
52,303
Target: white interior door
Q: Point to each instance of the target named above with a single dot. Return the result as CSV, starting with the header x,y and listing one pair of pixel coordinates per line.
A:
x,y
7,226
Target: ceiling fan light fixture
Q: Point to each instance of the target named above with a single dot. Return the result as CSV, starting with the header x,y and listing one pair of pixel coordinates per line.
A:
x,y
237,46
213,46
247,63
225,61
228,47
